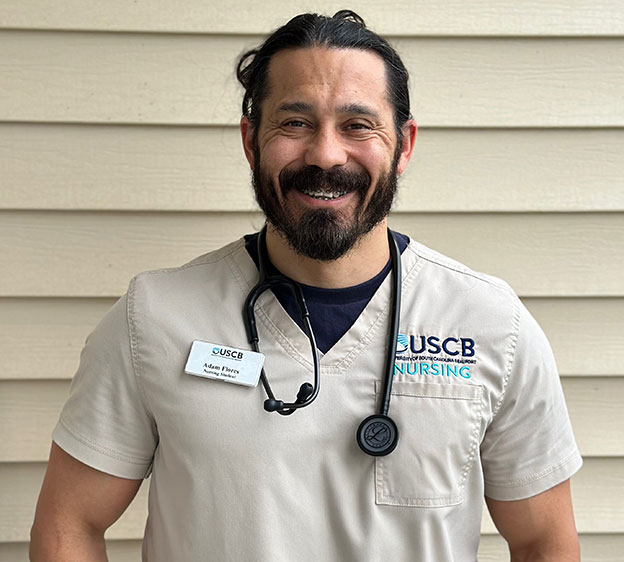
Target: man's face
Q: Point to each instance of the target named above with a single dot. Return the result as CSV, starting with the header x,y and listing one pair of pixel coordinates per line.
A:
x,y
325,156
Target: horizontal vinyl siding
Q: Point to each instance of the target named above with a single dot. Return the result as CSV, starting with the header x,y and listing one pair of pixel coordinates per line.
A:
x,y
119,152
406,17
185,79
174,168
594,548
57,253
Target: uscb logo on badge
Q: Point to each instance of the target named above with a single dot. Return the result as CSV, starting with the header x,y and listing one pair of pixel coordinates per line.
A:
x,y
224,363
432,355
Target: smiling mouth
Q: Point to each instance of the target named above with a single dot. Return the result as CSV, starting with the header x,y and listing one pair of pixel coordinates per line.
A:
x,y
324,195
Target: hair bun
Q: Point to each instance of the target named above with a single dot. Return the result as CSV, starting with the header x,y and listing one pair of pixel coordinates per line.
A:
x,y
349,15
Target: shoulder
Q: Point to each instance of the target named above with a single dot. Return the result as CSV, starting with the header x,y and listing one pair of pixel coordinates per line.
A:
x,y
206,261
454,280
215,280
206,269
486,293
446,299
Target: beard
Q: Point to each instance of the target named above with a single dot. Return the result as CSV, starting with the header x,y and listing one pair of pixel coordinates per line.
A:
x,y
325,234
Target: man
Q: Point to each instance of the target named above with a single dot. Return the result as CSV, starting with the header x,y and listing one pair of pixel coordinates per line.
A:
x,y
476,398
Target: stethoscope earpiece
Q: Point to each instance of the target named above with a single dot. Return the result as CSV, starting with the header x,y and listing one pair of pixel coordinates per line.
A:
x,y
305,391
272,405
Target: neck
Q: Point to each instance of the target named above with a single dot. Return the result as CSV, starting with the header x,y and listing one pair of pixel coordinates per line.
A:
x,y
365,260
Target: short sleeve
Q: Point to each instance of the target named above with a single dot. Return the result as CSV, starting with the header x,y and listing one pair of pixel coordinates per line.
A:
x,y
529,447
105,422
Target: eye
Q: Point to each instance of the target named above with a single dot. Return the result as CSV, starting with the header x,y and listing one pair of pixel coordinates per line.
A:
x,y
295,123
358,126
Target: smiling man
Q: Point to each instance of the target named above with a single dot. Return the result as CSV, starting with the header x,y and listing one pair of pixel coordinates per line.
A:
x,y
326,154
390,454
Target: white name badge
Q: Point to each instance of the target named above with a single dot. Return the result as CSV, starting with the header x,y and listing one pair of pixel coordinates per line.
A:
x,y
224,363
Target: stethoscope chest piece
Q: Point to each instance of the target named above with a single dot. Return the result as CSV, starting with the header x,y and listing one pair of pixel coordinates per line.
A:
x,y
377,435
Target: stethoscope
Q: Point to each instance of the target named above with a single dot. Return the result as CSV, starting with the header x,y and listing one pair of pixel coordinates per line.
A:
x,y
377,435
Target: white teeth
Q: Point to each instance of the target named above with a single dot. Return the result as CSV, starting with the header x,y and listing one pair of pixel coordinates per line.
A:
x,y
325,195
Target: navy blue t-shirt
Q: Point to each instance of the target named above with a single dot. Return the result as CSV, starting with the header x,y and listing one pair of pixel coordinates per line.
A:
x,y
332,311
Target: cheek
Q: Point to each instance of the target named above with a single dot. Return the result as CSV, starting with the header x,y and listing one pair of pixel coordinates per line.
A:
x,y
279,153
274,157
376,160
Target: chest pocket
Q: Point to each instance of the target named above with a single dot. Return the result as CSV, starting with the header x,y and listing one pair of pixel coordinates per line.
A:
x,y
438,439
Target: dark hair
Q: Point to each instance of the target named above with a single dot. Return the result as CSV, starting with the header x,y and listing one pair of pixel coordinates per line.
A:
x,y
344,30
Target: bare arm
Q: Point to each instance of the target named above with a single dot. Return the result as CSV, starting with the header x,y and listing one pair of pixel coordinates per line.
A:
x,y
538,529
76,505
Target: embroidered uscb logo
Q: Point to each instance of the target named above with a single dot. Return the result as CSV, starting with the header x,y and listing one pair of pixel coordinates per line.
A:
x,y
432,355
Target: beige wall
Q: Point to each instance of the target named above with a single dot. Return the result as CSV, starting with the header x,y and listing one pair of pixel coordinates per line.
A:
x,y
119,152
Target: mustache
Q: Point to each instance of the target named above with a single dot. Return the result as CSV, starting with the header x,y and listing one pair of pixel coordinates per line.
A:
x,y
313,178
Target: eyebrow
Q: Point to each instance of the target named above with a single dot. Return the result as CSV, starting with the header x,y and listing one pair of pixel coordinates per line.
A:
x,y
352,108
357,109
296,107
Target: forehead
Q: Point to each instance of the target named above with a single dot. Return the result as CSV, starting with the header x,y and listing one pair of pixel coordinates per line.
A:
x,y
327,78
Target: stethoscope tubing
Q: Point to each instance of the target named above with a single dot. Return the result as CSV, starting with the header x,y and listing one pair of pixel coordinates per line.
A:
x,y
265,283
306,394
395,317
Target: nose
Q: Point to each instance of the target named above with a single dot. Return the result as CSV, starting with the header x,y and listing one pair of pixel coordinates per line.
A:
x,y
326,149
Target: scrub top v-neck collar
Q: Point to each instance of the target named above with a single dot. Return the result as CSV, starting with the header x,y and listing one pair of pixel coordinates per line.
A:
x,y
372,322
332,311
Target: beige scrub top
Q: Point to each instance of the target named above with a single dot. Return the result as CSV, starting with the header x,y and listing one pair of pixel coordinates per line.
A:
x,y
476,397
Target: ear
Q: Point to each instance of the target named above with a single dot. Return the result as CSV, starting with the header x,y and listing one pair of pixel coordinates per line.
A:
x,y
410,130
246,129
